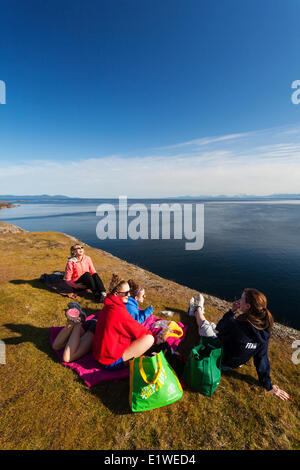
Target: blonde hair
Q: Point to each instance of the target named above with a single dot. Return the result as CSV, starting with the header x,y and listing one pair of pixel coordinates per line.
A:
x,y
73,248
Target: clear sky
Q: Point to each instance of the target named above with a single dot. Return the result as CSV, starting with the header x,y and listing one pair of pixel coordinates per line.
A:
x,y
149,98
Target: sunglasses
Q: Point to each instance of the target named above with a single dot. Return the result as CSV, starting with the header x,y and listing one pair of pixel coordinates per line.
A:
x,y
124,293
79,248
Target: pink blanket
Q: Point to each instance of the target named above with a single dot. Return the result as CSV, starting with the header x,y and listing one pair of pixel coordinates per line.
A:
x,y
87,367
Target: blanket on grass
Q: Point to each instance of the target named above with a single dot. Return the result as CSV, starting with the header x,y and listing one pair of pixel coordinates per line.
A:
x,y
56,282
87,367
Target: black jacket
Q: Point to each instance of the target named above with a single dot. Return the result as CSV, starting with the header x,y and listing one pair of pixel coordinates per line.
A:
x,y
241,341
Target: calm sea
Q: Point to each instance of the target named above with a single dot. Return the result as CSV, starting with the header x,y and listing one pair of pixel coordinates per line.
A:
x,y
246,244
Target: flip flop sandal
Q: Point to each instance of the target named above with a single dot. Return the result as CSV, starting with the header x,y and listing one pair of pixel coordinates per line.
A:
x,y
76,305
73,315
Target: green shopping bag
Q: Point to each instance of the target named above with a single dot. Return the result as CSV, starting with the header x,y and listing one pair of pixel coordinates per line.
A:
x,y
153,383
202,371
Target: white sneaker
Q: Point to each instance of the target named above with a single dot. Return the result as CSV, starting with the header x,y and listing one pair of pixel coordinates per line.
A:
x,y
191,308
200,302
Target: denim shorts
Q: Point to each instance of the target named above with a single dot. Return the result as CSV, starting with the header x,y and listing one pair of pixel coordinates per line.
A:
x,y
118,364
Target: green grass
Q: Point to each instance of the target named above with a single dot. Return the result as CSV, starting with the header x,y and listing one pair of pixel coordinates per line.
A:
x,y
47,406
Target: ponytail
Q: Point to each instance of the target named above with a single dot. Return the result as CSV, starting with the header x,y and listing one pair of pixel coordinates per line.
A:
x,y
258,315
134,287
115,283
269,318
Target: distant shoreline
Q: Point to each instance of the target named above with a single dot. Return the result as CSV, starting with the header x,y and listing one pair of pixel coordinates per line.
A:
x,y
205,198
6,205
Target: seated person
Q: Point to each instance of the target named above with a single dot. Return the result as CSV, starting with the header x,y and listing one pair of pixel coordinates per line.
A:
x,y
242,337
118,337
81,274
137,296
76,338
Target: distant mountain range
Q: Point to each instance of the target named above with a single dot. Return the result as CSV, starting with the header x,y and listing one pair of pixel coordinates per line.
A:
x,y
244,197
9,197
45,197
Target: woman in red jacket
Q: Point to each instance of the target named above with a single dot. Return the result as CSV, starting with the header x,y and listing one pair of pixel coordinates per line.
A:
x,y
118,337
113,335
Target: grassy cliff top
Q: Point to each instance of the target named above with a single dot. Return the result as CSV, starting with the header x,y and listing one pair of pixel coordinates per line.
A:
x,y
47,406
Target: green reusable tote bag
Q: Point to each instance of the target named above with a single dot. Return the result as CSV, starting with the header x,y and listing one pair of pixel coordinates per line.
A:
x,y
202,371
153,383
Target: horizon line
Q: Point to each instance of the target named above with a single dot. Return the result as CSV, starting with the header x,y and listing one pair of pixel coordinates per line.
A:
x,y
220,196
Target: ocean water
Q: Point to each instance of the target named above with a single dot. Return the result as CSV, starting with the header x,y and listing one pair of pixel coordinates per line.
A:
x,y
246,244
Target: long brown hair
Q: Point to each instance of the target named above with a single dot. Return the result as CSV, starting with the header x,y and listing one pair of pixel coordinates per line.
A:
x,y
115,283
134,287
258,315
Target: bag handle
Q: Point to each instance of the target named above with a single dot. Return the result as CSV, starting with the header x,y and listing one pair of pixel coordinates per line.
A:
x,y
157,374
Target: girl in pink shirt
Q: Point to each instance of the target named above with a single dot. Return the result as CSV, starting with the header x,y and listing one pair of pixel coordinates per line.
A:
x,y
80,273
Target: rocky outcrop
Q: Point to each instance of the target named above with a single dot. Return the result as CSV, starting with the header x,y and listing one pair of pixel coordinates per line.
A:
x,y
9,228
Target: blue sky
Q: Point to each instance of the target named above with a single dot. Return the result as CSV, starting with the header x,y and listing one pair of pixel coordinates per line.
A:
x,y
149,98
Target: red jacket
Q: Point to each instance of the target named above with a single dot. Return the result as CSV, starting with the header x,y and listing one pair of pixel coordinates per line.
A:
x,y
115,331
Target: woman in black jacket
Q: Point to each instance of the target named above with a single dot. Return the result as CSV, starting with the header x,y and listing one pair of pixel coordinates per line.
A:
x,y
243,337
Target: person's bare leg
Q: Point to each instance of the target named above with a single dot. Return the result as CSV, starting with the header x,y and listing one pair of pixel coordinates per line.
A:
x,y
205,328
199,316
79,344
138,347
62,337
